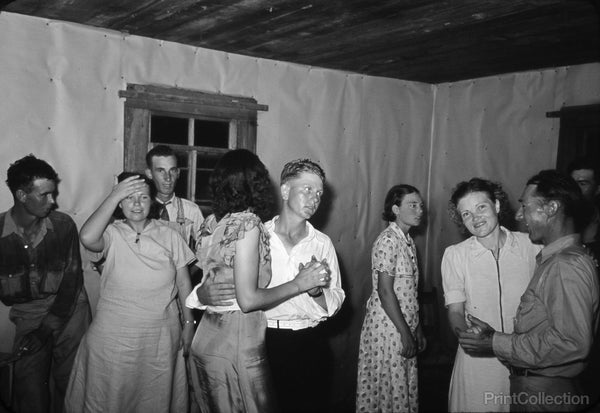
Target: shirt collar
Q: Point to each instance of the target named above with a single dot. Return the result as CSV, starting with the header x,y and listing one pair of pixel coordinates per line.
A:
x,y
478,249
310,230
152,222
396,228
169,201
10,226
270,224
557,246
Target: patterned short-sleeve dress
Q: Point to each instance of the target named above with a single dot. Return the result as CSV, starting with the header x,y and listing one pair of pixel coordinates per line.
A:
x,y
387,382
228,349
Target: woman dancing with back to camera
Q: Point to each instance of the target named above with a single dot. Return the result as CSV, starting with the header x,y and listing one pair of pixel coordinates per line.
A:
x,y
228,349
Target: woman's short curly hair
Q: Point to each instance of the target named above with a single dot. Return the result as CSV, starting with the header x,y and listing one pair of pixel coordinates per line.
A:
x,y
494,192
240,181
394,197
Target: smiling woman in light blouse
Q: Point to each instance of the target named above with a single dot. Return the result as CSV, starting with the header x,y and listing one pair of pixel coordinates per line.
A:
x,y
483,276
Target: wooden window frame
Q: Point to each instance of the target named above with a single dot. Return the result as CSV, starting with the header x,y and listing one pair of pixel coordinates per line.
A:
x,y
578,135
143,101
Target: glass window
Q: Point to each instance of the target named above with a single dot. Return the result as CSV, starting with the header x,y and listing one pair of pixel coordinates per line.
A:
x,y
211,133
191,139
200,127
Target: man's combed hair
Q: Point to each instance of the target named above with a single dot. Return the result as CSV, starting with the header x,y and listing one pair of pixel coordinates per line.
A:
x,y
159,150
23,172
494,192
552,185
293,169
239,182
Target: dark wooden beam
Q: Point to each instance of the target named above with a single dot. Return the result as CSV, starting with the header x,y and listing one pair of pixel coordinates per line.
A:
x,y
4,3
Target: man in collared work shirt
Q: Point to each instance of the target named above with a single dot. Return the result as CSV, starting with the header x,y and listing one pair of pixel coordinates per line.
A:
x,y
185,215
162,168
558,313
42,280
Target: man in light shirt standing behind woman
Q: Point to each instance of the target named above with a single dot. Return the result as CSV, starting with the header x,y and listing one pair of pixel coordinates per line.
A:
x,y
297,347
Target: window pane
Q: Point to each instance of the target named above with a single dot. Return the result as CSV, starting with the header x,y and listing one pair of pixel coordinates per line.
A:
x,y
169,130
205,165
202,189
206,161
181,185
210,133
182,160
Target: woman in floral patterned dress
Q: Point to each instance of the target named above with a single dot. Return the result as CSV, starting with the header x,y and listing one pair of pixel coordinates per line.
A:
x,y
391,333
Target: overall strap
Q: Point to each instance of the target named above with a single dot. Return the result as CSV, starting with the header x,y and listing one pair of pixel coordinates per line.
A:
x,y
180,215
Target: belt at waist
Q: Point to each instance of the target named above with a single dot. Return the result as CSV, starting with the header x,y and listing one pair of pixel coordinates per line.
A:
x,y
518,371
291,324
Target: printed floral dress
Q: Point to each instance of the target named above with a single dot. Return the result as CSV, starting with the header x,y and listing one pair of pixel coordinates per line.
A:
x,y
228,350
387,382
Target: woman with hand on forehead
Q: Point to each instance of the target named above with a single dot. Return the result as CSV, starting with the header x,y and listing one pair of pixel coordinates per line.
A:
x,y
131,358
483,276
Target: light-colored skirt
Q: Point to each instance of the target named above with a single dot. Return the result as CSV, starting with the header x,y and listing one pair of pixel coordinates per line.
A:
x,y
129,363
229,356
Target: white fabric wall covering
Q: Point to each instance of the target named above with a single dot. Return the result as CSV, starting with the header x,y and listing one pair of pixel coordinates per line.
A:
x,y
62,80
581,85
59,84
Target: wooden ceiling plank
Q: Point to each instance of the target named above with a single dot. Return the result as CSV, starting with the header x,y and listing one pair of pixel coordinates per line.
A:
x,y
406,39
